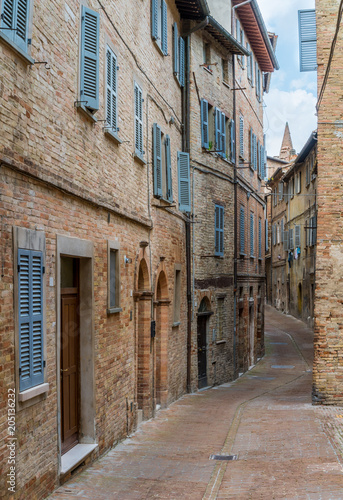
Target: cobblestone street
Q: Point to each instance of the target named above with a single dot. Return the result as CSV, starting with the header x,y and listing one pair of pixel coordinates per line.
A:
x,y
286,448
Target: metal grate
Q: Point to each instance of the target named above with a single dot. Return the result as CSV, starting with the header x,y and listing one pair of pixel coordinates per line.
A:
x,y
223,457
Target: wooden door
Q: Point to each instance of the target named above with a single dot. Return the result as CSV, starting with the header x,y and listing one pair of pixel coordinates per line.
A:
x,y
70,361
202,351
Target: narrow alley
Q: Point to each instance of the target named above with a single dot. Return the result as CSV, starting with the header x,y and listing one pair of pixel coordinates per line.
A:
x,y
284,446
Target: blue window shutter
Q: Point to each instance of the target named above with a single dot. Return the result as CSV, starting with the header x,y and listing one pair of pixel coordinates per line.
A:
x,y
242,231
218,129
252,234
259,157
164,29
308,40
21,23
30,289
184,182
182,62
111,90
233,141
169,170
90,22
259,239
176,50
256,77
138,120
7,17
223,134
241,136
157,159
154,19
204,124
219,230
251,149
255,152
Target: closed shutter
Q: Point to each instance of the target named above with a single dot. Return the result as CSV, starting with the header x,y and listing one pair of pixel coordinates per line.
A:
x,y
204,124
242,231
111,90
182,62
184,182
233,141
255,152
154,19
219,230
30,289
252,235
291,240
164,29
259,158
218,129
21,23
251,149
282,231
259,239
256,78
157,159
241,136
223,134
7,17
285,241
297,236
176,50
266,234
249,63
308,40
314,230
273,234
90,58
169,170
280,191
242,43
138,120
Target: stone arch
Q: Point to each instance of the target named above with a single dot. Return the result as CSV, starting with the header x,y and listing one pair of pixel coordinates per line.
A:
x,y
205,305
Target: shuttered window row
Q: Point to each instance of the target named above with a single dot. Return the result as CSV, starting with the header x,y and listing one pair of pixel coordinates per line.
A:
x,y
15,21
219,230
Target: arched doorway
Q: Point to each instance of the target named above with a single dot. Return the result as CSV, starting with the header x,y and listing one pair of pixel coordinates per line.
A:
x,y
204,314
161,340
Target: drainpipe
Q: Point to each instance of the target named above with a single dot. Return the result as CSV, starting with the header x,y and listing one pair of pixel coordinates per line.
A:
x,y
235,230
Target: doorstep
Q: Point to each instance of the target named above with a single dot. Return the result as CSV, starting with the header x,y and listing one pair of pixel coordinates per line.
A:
x,y
75,456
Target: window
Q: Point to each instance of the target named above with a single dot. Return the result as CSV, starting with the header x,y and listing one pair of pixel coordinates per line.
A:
x,y
207,55
213,139
220,318
252,235
219,231
274,234
266,234
275,197
15,22
241,136
297,235
313,231
298,183
291,188
184,181
138,121
225,70
291,240
250,66
280,191
111,91
177,295
89,80
162,167
179,56
258,81
242,231
159,25
113,260
240,39
260,238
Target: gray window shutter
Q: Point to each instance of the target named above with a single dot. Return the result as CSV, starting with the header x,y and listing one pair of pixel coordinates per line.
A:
x,y
182,62
138,121
282,231
259,158
273,234
169,170
176,50
223,134
255,152
256,78
251,149
242,231
252,235
249,63
90,58
157,159
111,90
291,240
7,17
285,241
308,40
259,239
297,236
21,23
204,124
218,129
241,136
30,289
219,230
233,141
266,234
184,181
154,19
164,29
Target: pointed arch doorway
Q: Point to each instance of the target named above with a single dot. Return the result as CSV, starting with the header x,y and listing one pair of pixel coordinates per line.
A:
x,y
162,303
203,315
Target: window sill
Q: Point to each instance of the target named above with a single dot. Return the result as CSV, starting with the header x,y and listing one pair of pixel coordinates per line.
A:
x,y
114,310
252,257
159,48
208,70
84,110
177,323
139,158
33,392
219,256
218,342
75,456
24,55
113,136
226,84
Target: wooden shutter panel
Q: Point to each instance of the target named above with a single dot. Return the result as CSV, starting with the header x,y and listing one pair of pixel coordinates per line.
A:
x,y
184,182
169,170
138,121
111,90
204,124
259,238
241,136
216,230
182,61
154,19
218,129
242,231
7,17
266,234
176,50
308,40
255,152
282,231
251,149
233,141
90,58
223,134
252,234
157,159
219,230
164,29
259,157
286,241
297,236
21,23
291,240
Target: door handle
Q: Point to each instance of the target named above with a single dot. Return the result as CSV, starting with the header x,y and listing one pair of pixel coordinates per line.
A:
x,y
65,370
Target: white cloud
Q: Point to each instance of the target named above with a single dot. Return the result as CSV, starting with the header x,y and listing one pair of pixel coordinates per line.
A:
x,y
296,107
277,11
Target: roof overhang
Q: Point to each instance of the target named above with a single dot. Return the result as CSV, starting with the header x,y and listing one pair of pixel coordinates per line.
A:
x,y
311,142
224,37
255,29
192,9
274,158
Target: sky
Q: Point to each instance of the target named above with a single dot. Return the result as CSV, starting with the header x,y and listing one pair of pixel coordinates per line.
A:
x,y
292,96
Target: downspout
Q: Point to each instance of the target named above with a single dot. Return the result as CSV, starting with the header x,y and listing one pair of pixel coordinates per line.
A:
x,y
235,231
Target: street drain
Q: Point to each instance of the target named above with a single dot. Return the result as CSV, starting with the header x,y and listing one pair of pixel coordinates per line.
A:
x,y
223,457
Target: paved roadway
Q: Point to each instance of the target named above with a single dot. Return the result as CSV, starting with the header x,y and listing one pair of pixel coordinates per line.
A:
x,y
285,447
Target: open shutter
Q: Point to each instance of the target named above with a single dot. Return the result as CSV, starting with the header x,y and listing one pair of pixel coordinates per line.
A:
x,y
164,29
21,23
241,136
7,17
219,230
259,239
251,149
259,157
308,40
223,134
285,241
266,234
138,121
291,240
252,235
182,62
90,58
169,170
255,152
204,124
242,231
233,141
218,129
154,19
184,182
297,236
282,231
176,50
157,159
111,90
